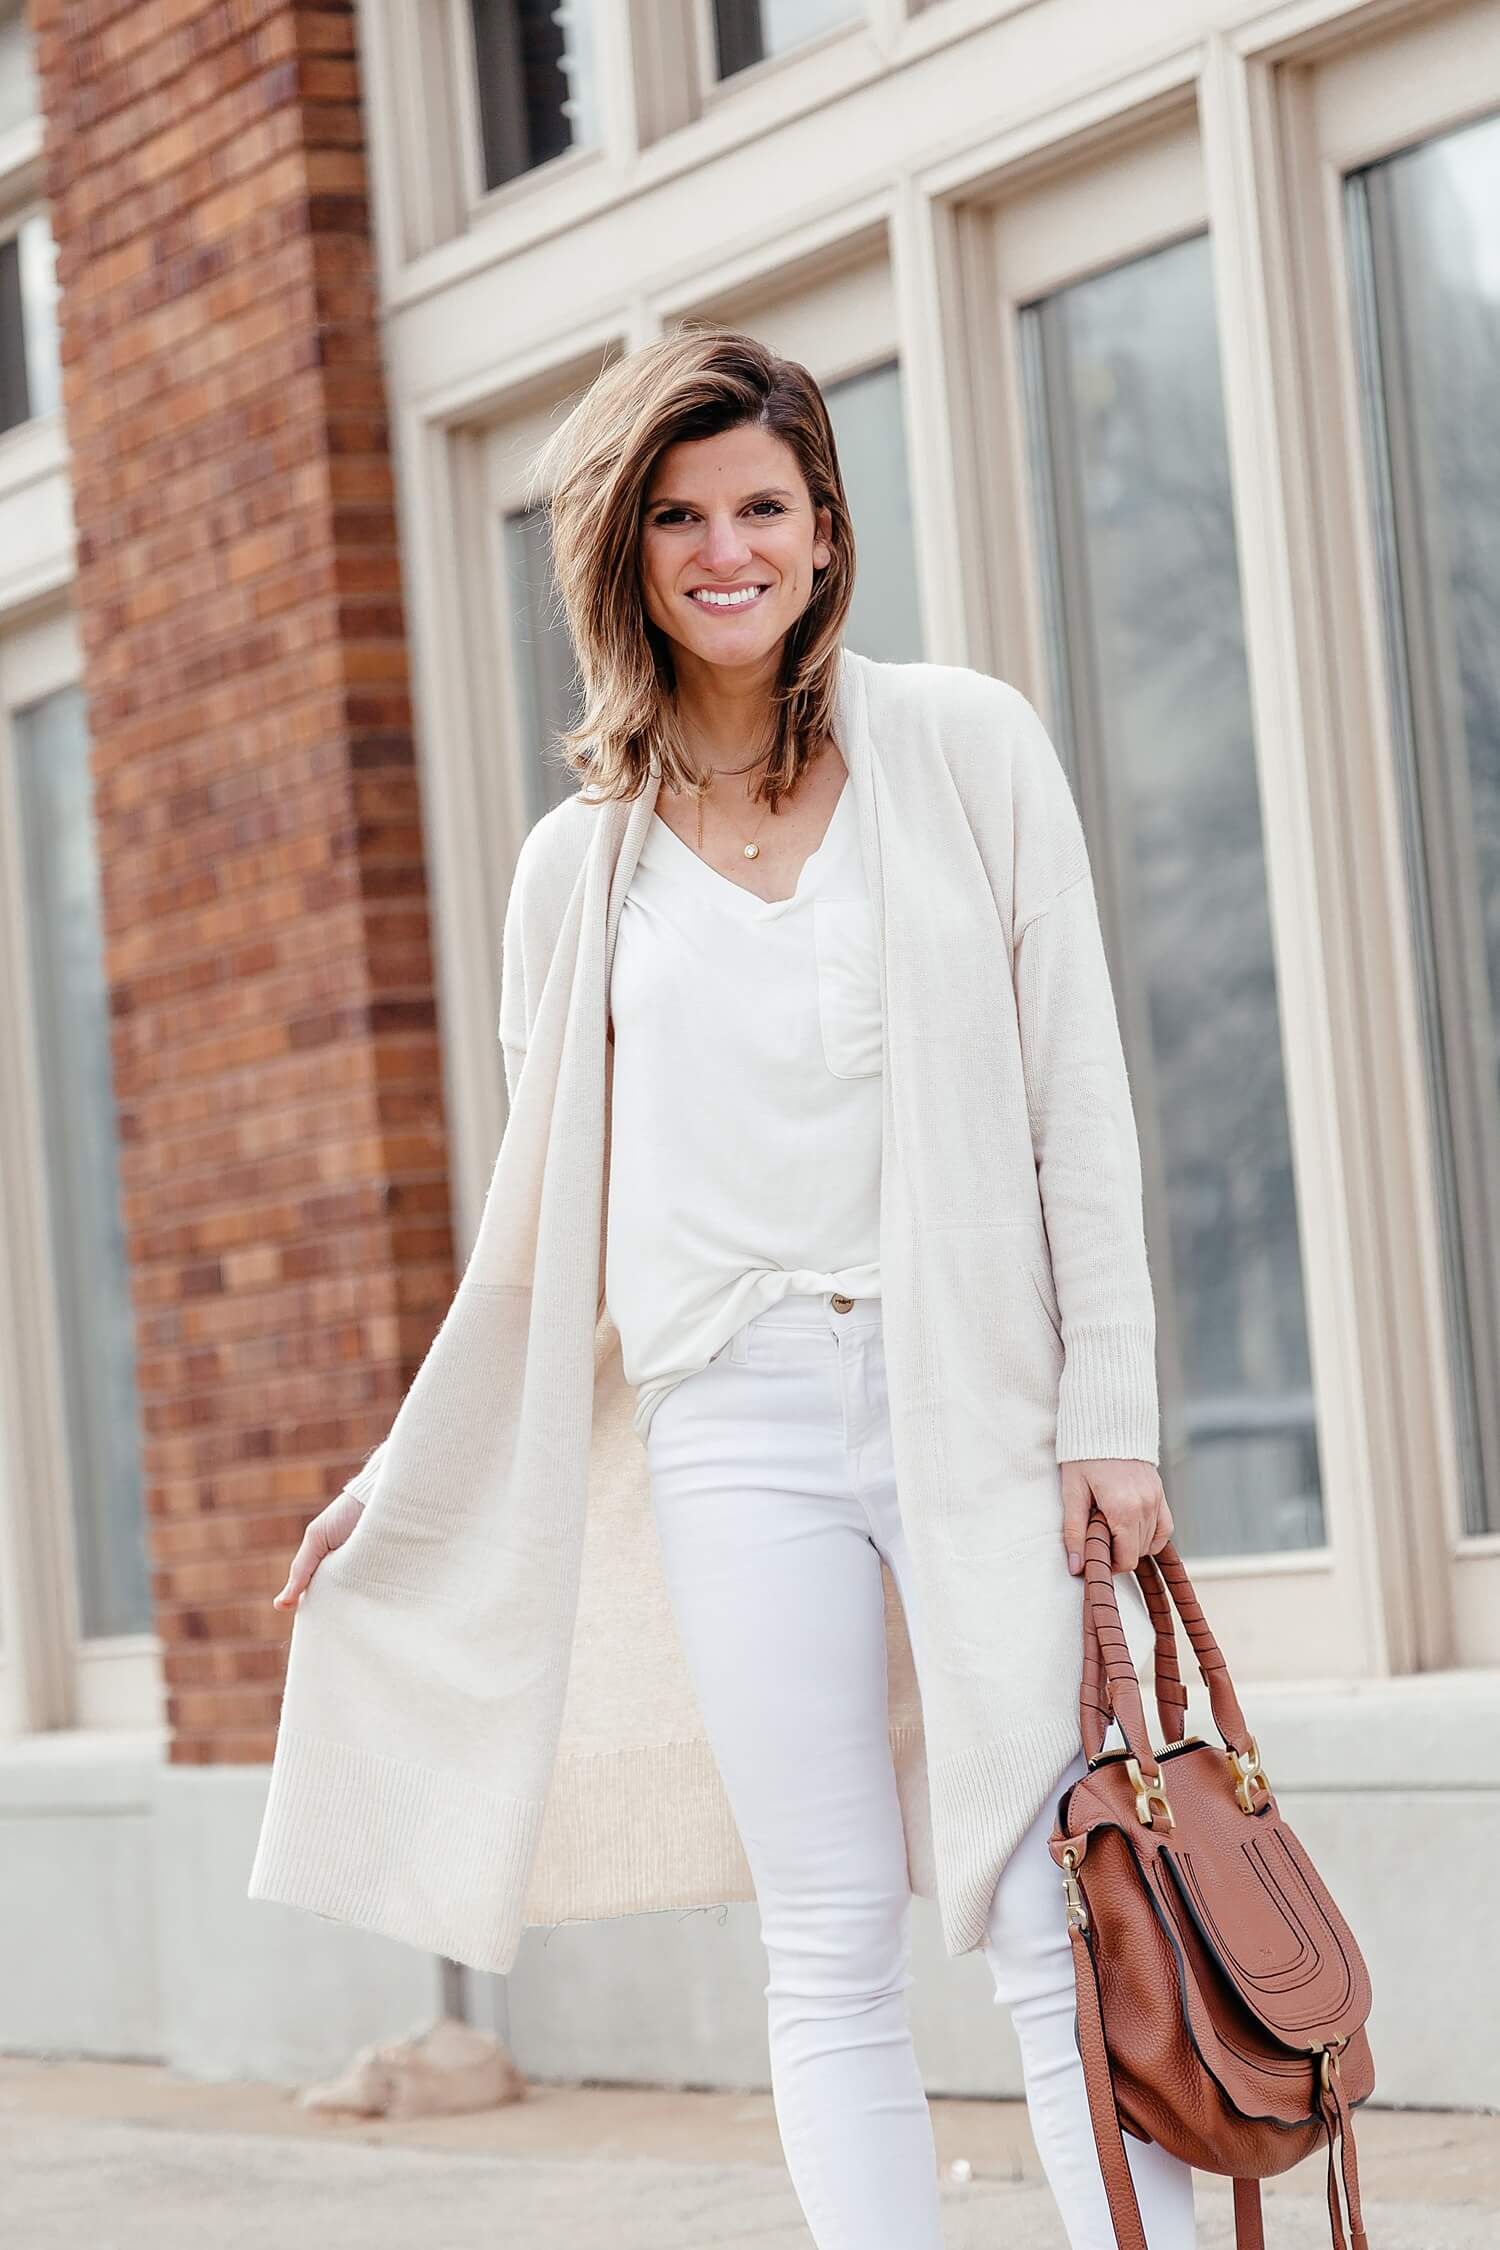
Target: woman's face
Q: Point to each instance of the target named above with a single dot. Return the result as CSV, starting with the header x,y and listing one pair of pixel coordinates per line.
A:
x,y
730,515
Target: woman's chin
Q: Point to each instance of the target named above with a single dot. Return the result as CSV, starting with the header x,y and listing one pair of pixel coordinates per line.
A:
x,y
737,642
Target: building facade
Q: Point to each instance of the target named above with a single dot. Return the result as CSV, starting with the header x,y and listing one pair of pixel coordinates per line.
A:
x,y
1160,345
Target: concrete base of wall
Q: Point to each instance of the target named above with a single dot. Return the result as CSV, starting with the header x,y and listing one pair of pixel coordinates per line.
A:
x,y
125,1929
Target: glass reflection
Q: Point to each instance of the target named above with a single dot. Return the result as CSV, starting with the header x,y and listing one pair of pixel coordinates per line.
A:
x,y
71,1009
1425,253
1128,424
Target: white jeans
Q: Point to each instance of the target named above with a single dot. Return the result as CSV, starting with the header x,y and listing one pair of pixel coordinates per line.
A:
x,y
772,1485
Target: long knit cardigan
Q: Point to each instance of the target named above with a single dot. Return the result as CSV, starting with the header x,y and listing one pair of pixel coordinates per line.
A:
x,y
487,1720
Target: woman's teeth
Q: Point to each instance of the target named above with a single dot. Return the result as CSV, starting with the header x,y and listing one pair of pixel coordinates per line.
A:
x,y
739,599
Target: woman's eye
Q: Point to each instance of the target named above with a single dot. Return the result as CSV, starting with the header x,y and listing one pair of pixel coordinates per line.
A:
x,y
674,515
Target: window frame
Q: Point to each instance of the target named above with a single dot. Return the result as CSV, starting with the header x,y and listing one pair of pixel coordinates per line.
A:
x,y
51,1675
1339,105
1047,225
711,89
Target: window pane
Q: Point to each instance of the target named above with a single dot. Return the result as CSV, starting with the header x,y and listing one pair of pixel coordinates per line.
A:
x,y
537,82
884,618
547,678
38,262
20,100
1425,251
15,390
749,30
71,1006
1128,425
29,375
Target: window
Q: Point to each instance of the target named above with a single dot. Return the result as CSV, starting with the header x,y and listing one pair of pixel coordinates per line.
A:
x,y
885,616
1127,426
546,676
20,97
537,82
1425,256
29,376
748,31
70,1013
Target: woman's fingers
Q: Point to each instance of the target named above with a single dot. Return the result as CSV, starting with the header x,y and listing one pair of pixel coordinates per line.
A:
x,y
323,1534
299,1577
1127,1545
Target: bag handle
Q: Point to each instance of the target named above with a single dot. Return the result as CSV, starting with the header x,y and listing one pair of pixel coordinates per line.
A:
x,y
1171,1695
1110,1688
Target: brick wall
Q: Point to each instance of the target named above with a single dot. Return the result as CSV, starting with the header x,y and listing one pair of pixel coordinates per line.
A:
x,y
275,1046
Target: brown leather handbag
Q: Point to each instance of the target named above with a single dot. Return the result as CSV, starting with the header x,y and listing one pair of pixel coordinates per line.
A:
x,y
1221,1996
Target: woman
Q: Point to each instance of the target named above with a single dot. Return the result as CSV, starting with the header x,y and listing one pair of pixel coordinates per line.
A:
x,y
811,1046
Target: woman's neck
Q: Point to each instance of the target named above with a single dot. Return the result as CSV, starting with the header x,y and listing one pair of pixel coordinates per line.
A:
x,y
726,718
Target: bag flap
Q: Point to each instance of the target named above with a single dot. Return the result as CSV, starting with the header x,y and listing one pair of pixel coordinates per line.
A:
x,y
1265,1916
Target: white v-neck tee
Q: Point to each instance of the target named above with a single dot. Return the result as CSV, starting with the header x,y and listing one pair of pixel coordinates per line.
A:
x,y
745,1133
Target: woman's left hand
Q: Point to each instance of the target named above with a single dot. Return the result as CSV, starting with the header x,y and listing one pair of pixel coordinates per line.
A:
x,y
1132,1501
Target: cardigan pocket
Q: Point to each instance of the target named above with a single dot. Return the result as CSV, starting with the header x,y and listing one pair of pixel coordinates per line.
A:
x,y
997,1376
1039,1266
850,1014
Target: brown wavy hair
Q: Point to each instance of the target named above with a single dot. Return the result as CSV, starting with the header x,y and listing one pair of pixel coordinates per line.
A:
x,y
595,471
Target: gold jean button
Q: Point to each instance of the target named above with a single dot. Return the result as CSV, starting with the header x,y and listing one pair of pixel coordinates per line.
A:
x,y
843,1304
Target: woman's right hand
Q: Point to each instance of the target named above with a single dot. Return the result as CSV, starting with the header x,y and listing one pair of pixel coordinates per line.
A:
x,y
323,1534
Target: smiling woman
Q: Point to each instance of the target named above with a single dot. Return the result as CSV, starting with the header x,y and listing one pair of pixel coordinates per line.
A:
x,y
703,545
720,540
805,1103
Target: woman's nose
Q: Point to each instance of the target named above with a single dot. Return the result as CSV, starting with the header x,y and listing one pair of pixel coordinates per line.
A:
x,y
723,545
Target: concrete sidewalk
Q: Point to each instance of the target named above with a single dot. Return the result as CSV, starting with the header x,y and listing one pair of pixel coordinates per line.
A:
x,y
127,2157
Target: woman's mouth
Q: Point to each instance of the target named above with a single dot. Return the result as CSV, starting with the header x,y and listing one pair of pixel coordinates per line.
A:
x,y
729,598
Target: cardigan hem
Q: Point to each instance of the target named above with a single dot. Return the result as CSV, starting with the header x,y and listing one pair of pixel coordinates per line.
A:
x,y
354,1835
616,1820
983,1802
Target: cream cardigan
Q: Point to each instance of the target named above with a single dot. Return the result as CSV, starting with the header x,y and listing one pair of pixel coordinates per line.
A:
x,y
487,1721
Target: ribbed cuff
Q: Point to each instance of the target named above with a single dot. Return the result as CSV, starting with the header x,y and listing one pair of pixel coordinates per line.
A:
x,y
1106,1401
363,1481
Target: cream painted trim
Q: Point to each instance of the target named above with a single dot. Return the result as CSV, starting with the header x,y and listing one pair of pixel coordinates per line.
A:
x,y
1311,30
921,254
931,102
826,298
1272,474
663,38
119,1684
1421,77
21,151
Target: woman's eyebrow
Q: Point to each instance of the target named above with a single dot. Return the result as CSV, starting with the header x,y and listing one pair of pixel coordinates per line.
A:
x,y
767,492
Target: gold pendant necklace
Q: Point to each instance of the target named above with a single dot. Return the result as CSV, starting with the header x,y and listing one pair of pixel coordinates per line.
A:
x,y
750,848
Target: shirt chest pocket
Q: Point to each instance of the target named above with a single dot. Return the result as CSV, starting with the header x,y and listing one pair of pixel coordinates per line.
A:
x,y
849,1007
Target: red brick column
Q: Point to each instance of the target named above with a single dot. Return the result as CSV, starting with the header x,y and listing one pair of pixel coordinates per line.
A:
x,y
275,1046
